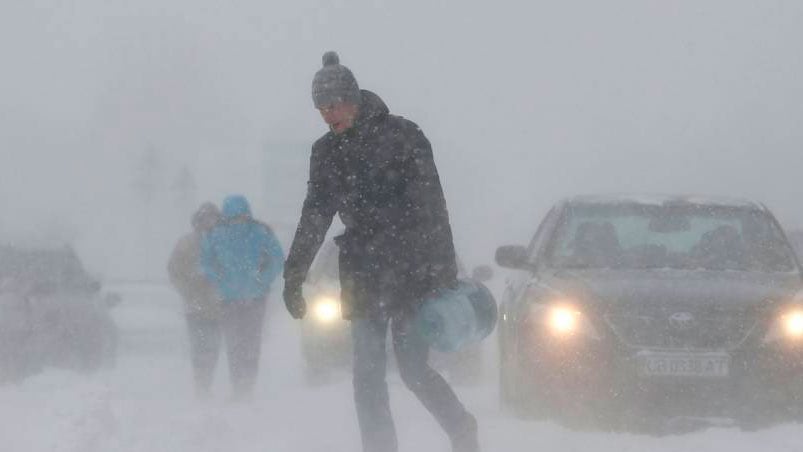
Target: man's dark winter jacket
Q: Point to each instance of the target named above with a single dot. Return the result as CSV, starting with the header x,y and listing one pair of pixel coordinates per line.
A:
x,y
381,178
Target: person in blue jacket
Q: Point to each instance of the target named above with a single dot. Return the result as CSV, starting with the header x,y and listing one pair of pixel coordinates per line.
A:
x,y
241,257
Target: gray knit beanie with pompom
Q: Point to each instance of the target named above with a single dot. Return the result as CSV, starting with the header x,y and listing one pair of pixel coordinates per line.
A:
x,y
334,83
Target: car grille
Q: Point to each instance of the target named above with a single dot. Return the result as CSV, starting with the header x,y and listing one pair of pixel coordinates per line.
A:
x,y
714,331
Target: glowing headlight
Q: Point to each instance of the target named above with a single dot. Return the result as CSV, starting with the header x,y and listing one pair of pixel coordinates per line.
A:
x,y
326,310
788,326
793,324
563,321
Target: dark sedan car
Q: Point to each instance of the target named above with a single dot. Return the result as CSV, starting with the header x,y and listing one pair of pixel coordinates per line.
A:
x,y
52,313
630,310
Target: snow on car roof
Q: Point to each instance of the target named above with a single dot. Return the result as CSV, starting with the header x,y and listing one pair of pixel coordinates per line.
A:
x,y
664,199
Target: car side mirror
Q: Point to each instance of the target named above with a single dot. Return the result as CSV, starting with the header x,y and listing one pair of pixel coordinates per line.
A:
x,y
512,256
482,273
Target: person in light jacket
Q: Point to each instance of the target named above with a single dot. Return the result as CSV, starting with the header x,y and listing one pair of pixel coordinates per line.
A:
x,y
241,257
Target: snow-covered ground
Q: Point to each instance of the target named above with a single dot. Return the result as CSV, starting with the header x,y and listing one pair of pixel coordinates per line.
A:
x,y
147,404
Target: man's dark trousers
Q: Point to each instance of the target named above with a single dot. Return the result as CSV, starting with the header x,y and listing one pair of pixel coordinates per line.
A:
x,y
242,329
369,333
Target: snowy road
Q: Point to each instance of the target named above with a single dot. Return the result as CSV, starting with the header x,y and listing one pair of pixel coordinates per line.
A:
x,y
146,404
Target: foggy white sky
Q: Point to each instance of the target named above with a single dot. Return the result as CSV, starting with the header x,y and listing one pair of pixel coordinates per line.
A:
x,y
524,102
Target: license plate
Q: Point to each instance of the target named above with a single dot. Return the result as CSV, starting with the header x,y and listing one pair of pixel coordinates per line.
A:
x,y
708,365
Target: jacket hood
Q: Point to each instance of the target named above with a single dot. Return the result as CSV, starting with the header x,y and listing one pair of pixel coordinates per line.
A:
x,y
206,216
235,206
371,106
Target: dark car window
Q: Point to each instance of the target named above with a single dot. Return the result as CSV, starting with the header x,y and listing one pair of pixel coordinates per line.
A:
x,y
680,236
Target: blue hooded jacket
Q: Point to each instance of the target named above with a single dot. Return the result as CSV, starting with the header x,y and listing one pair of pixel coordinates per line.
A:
x,y
241,256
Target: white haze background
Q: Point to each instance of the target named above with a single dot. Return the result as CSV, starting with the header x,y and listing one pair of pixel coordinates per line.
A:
x,y
524,102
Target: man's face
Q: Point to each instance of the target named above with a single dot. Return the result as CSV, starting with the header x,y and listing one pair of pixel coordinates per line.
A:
x,y
340,116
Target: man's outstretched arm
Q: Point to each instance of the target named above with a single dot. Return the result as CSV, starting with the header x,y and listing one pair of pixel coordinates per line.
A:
x,y
316,216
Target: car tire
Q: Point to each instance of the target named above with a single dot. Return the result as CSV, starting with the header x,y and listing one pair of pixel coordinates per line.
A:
x,y
506,389
519,396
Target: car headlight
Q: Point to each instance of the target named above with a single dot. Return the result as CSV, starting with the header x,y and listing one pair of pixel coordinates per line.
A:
x,y
793,324
788,326
564,321
326,309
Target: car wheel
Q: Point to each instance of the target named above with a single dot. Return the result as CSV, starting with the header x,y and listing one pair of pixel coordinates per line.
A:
x,y
506,390
530,400
506,398
519,395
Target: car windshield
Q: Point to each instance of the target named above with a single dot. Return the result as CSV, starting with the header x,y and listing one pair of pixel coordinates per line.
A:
x,y
677,236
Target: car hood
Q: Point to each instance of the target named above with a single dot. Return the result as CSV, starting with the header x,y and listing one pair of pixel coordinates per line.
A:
x,y
665,290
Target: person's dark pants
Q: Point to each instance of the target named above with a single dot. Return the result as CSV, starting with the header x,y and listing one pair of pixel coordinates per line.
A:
x,y
371,391
242,329
205,333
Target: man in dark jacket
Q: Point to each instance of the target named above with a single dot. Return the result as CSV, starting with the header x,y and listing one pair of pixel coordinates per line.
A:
x,y
377,171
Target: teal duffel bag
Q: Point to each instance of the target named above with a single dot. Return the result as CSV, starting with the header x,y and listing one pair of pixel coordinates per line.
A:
x,y
453,319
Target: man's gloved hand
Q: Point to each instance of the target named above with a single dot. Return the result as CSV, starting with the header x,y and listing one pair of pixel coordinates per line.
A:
x,y
294,299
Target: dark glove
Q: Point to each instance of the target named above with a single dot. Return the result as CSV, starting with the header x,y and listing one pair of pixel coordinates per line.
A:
x,y
294,300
